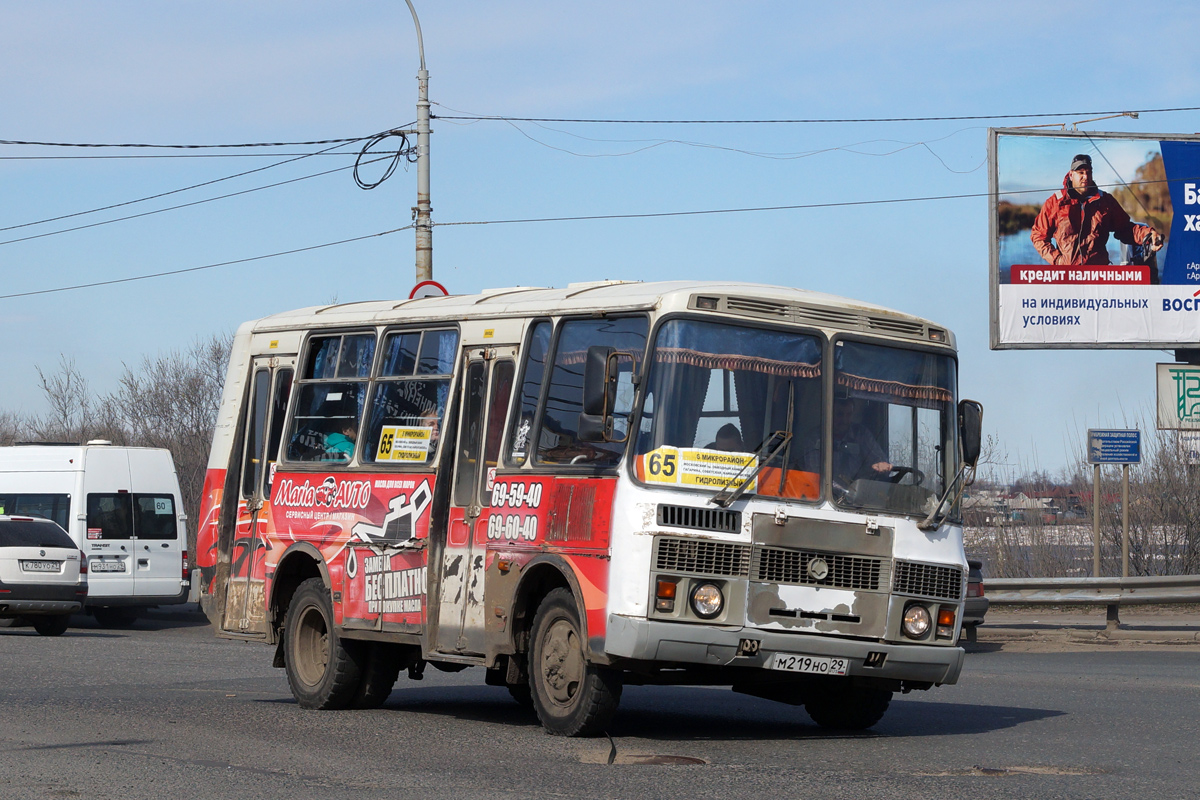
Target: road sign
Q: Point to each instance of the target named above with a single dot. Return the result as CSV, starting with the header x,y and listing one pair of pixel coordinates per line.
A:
x,y
1189,447
1114,446
427,289
1178,397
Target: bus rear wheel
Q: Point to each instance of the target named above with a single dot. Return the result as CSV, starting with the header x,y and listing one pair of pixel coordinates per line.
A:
x,y
323,671
847,708
381,667
571,696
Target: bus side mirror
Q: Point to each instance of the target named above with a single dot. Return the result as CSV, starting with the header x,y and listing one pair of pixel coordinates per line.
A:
x,y
599,388
970,430
601,372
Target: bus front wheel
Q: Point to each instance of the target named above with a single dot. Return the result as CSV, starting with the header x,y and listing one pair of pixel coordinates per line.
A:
x,y
847,708
571,696
323,671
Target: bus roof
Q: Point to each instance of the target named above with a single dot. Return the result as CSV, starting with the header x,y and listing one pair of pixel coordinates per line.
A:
x,y
778,302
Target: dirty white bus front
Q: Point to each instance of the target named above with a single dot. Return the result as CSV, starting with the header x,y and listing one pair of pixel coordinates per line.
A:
x,y
788,522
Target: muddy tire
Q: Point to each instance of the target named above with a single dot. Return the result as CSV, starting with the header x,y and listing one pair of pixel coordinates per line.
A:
x,y
571,696
323,670
52,625
381,668
847,708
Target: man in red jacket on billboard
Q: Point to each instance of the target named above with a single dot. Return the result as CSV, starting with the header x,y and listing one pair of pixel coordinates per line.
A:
x,y
1079,219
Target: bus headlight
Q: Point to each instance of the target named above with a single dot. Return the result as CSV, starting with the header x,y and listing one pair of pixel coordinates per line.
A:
x,y
916,621
707,600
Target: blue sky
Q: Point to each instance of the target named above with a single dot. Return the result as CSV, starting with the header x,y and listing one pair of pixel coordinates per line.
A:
x,y
217,71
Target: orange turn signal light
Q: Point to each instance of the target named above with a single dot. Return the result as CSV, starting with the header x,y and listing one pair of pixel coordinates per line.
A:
x,y
946,617
666,589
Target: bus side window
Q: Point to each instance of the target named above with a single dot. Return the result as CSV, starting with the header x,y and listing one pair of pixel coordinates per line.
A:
x,y
279,401
559,425
525,403
325,425
502,384
256,432
409,397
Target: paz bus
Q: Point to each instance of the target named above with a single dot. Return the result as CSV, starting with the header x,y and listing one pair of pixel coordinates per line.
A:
x,y
613,483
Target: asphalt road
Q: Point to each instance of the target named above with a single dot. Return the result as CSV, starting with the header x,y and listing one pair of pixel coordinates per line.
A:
x,y
168,710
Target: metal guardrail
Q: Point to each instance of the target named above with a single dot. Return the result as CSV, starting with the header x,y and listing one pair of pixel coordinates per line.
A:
x,y
1142,590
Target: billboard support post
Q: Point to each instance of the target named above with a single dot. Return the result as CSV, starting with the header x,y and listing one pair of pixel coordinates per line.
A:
x,y
1096,521
1122,447
1124,520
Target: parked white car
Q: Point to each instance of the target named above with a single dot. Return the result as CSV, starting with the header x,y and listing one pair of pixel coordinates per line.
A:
x,y
43,575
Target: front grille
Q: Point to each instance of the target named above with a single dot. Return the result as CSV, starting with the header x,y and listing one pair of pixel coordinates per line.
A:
x,y
777,565
704,519
928,580
724,559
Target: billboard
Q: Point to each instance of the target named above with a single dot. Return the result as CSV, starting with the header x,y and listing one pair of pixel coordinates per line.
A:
x,y
1095,239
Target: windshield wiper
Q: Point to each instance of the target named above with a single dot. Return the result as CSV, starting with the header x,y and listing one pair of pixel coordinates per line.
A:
x,y
776,441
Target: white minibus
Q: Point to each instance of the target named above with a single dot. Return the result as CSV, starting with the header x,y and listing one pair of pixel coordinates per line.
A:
x,y
121,506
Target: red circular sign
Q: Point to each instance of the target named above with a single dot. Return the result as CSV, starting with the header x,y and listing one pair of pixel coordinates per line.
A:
x,y
427,289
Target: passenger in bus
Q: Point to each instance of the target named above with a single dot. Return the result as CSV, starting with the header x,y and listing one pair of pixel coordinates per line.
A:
x,y
729,439
339,446
430,418
856,454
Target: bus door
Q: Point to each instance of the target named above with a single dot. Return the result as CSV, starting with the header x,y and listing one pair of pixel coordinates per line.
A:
x,y
270,387
486,390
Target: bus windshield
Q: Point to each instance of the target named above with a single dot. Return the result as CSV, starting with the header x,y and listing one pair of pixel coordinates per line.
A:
x,y
715,393
893,429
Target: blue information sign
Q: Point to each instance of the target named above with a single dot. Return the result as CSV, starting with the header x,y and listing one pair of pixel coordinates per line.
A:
x,y
1114,447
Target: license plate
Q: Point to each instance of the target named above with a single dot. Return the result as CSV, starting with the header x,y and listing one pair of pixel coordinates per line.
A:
x,y
792,662
107,566
41,566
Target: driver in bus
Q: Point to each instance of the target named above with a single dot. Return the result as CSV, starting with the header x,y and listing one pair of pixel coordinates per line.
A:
x,y
729,439
856,454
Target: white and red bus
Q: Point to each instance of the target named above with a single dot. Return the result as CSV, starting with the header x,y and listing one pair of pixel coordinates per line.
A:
x,y
581,488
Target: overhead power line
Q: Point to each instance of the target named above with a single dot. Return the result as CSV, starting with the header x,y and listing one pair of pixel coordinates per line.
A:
x,y
797,206
171,192
185,146
805,121
199,269
187,205
648,215
165,155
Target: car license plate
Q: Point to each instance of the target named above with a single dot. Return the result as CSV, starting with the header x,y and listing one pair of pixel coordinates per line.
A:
x,y
107,566
41,566
793,662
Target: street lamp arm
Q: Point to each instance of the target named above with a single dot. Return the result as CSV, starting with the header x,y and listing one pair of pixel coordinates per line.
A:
x,y
420,41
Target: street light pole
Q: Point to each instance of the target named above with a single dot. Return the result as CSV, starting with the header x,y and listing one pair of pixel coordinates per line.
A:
x,y
422,221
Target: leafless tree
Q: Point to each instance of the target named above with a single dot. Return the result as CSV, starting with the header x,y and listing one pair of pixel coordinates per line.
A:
x,y
1164,518
75,415
171,401
168,401
12,428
